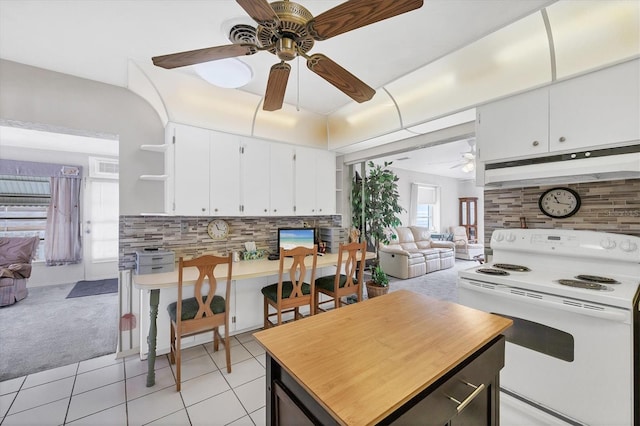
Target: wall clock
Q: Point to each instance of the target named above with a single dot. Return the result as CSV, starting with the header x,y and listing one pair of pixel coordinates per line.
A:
x,y
218,229
559,202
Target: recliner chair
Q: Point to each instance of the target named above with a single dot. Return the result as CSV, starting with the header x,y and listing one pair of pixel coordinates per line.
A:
x,y
16,254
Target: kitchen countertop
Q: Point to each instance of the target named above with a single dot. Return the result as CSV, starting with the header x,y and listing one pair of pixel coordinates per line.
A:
x,y
363,361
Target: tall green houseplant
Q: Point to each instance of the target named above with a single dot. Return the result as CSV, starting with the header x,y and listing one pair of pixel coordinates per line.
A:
x,y
376,197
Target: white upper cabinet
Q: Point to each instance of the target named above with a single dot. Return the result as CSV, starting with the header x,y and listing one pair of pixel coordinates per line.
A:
x,y
282,181
315,182
514,127
600,108
255,177
219,174
306,181
224,174
188,185
326,183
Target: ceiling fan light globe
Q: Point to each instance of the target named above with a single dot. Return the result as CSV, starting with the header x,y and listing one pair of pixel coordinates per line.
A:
x,y
229,73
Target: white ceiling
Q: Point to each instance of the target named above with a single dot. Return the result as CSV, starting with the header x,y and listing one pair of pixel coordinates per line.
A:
x,y
94,39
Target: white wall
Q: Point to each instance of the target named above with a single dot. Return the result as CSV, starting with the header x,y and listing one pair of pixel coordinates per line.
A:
x,y
35,95
450,190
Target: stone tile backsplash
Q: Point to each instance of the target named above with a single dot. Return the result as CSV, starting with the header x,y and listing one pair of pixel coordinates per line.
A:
x,y
187,236
607,206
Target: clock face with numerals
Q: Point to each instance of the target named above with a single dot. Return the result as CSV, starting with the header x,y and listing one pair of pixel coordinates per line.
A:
x,y
559,202
218,229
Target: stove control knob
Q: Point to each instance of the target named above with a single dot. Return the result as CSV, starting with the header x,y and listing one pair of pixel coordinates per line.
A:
x,y
499,236
628,246
511,238
608,243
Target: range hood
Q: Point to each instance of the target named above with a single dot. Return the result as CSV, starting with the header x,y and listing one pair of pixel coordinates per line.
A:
x,y
586,166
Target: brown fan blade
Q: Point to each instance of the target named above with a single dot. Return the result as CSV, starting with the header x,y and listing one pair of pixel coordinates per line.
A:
x,y
276,86
207,54
340,78
354,14
261,12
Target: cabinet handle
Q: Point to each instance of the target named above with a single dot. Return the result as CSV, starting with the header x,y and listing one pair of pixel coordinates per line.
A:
x,y
203,209
562,139
215,210
265,210
461,405
535,143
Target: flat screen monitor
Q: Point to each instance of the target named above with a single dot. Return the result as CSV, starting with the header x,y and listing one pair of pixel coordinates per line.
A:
x,y
289,238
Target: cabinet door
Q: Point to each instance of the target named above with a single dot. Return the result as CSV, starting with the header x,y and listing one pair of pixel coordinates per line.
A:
x,y
514,127
191,171
225,175
305,181
600,108
326,183
248,302
255,181
282,181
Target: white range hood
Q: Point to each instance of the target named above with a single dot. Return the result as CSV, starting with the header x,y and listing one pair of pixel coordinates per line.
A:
x,y
597,165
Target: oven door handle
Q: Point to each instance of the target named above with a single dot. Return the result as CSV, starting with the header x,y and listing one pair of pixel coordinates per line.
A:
x,y
554,302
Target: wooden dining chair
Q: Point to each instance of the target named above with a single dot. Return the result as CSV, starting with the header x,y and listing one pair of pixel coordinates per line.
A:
x,y
291,292
340,285
203,312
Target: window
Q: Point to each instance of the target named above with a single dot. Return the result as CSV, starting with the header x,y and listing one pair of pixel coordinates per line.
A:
x,y
425,207
23,208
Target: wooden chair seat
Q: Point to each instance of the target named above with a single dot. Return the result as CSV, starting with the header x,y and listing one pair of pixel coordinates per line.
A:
x,y
328,282
271,291
191,306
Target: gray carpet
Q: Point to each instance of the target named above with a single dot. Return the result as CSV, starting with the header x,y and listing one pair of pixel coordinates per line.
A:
x,y
46,330
440,284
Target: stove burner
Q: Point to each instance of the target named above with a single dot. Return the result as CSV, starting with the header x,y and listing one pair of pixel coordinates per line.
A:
x,y
491,271
584,284
597,279
510,267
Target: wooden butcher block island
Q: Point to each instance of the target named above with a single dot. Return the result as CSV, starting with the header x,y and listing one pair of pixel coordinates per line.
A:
x,y
401,358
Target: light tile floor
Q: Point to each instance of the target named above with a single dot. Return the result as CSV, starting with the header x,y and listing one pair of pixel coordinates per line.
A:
x,y
109,391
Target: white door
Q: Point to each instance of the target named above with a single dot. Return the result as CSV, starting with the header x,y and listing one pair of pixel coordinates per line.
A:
x,y
100,230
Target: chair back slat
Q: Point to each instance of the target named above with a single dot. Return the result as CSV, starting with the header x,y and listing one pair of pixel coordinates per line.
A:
x,y
353,265
206,265
298,269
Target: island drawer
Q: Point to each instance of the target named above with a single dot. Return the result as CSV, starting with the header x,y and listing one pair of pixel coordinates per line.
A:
x,y
474,387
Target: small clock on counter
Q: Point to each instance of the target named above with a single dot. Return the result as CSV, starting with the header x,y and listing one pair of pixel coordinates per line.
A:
x,y
559,202
218,229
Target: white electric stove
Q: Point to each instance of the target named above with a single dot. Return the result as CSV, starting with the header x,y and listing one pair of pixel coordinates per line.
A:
x,y
573,295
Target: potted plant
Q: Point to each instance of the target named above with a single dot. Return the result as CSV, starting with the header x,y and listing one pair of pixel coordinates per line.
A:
x,y
378,284
374,204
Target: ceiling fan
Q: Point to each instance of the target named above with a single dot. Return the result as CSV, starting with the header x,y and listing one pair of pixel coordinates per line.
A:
x,y
468,163
287,29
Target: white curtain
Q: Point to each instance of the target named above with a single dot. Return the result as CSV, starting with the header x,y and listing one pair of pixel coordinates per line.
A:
x,y
63,244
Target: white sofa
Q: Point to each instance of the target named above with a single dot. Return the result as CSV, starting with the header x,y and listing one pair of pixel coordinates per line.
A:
x,y
413,253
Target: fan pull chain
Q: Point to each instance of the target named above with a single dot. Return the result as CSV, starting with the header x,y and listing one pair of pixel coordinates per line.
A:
x,y
298,81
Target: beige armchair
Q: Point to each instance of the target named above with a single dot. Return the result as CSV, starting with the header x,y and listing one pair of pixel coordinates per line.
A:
x,y
15,267
465,249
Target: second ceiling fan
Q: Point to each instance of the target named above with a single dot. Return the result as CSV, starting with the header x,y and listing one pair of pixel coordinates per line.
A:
x,y
287,29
